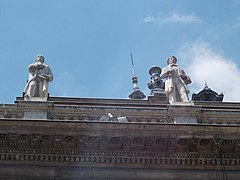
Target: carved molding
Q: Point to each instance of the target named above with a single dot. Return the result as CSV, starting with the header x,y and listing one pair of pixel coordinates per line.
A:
x,y
209,114
120,149
86,142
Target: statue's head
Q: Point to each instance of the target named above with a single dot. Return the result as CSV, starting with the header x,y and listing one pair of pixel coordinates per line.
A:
x,y
172,60
40,58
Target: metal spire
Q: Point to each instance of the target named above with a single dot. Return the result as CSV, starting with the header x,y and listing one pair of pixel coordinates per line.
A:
x,y
133,70
136,94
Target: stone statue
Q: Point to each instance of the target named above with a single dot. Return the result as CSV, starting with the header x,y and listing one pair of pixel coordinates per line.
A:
x,y
177,81
40,75
156,85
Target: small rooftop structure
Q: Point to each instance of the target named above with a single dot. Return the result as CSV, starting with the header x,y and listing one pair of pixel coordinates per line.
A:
x,y
207,95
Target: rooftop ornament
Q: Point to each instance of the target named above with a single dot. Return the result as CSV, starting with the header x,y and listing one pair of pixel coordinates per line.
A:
x,y
40,75
136,94
176,81
207,95
156,85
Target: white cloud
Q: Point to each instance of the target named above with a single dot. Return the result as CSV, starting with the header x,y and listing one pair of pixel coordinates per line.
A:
x,y
181,18
149,19
173,18
204,64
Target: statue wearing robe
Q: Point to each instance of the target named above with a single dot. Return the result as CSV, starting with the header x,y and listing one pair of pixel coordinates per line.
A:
x,y
40,75
176,81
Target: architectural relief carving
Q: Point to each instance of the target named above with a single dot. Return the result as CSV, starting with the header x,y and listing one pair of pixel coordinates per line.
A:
x,y
50,144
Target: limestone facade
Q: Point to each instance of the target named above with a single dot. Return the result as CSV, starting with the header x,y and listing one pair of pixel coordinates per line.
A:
x,y
67,138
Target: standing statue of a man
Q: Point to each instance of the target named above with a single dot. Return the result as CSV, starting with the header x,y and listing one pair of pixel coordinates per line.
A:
x,y
39,76
177,81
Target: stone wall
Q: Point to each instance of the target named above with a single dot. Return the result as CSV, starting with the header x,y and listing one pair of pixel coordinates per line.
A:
x,y
69,139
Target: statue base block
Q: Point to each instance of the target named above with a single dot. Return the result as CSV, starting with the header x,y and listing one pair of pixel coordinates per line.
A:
x,y
182,103
35,98
160,99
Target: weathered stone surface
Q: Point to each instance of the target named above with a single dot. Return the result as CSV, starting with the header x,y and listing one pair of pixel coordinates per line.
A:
x,y
158,140
35,115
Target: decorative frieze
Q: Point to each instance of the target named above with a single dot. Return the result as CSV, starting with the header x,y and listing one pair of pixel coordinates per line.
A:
x,y
168,144
119,158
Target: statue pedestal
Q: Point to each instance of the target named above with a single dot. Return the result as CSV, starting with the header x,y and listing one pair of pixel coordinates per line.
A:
x,y
182,103
35,108
184,112
158,99
158,92
35,98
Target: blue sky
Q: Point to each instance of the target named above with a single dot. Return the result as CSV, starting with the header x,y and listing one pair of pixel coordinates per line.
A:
x,y
87,44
